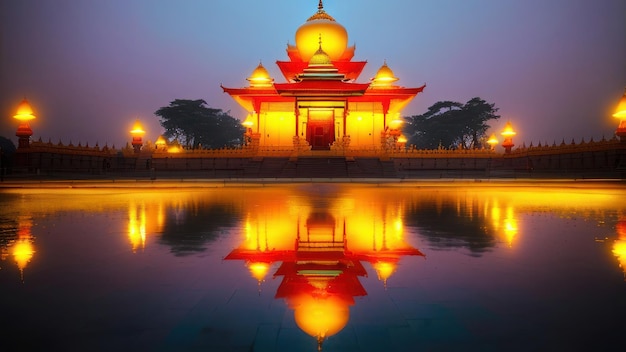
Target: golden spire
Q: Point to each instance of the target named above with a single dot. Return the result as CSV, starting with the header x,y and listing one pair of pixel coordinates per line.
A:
x,y
320,57
321,14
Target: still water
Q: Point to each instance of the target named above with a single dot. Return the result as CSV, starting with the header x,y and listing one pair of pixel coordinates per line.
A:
x,y
341,267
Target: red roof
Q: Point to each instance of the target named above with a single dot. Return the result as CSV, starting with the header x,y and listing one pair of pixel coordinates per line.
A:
x,y
321,88
351,69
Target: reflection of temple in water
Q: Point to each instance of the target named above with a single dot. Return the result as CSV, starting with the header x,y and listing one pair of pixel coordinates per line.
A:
x,y
320,264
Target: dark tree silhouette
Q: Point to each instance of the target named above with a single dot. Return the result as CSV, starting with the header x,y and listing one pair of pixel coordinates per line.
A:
x,y
7,149
196,125
451,125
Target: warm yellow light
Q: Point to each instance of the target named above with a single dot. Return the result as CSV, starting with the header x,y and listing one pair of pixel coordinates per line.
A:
x,y
384,76
321,317
620,112
333,35
23,252
160,142
619,250
259,270
510,230
137,129
508,130
248,123
260,77
396,123
384,270
402,139
24,112
492,141
136,226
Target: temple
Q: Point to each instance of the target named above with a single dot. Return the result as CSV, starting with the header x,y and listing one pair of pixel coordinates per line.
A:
x,y
321,106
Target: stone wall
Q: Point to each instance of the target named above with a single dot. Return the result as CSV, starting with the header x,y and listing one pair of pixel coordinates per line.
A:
x,y
605,158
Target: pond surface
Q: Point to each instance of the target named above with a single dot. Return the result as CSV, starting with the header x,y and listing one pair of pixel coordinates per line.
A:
x,y
341,267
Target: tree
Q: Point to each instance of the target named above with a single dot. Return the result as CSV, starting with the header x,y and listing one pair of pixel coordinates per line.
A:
x,y
7,150
451,124
196,125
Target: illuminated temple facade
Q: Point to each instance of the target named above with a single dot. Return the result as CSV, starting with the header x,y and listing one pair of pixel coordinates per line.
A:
x,y
321,106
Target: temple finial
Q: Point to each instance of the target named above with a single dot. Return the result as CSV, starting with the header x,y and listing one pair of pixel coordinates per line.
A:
x,y
320,6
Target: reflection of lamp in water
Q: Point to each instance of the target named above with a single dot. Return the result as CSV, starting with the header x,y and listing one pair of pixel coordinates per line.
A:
x,y
384,269
510,230
136,226
259,271
23,249
619,246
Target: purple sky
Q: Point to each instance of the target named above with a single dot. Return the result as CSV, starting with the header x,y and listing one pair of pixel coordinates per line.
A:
x,y
555,68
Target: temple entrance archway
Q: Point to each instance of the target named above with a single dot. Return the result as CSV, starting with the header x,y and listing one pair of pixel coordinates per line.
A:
x,y
320,133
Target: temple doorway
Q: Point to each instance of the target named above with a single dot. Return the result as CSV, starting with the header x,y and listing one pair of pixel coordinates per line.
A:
x,y
320,131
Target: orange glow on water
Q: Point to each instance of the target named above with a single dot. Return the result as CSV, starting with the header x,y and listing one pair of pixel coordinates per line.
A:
x,y
320,317
23,248
23,252
137,226
384,269
259,270
619,246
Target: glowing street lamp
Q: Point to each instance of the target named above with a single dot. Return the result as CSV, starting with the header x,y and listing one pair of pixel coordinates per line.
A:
x,y
492,141
508,134
24,114
161,143
620,113
137,133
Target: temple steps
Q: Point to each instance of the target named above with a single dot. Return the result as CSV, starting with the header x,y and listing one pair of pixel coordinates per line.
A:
x,y
319,167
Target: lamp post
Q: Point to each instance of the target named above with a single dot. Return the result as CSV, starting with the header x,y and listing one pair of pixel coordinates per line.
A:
x,y
24,114
137,133
508,134
620,113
